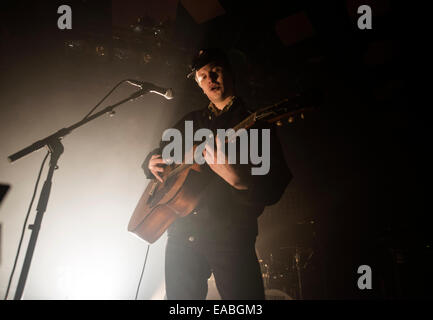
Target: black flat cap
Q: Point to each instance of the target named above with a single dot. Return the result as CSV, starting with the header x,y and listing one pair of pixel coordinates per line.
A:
x,y
206,56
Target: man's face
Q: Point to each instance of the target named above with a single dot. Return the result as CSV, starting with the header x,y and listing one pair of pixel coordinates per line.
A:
x,y
215,82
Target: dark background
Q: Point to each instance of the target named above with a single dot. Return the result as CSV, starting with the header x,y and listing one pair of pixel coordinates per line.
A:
x,y
359,161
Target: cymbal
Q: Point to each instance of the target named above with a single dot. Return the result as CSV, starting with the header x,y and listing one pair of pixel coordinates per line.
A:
x,y
294,247
308,220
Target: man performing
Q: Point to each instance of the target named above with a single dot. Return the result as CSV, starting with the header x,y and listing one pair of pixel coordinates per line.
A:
x,y
219,235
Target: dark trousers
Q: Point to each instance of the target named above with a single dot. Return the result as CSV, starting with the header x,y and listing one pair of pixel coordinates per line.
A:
x,y
188,266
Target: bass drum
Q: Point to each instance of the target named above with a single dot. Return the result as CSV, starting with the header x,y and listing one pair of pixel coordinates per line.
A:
x,y
275,294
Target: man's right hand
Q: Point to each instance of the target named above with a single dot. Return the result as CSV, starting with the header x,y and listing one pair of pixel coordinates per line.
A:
x,y
155,167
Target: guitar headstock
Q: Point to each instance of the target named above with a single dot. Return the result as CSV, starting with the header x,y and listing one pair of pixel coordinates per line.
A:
x,y
290,109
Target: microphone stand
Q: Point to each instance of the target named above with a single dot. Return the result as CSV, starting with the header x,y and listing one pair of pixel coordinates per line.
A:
x,y
56,149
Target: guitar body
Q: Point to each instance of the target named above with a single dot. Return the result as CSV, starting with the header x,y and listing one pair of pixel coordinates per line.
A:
x,y
162,203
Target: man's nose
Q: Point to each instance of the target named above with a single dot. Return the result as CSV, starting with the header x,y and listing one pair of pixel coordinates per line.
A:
x,y
213,76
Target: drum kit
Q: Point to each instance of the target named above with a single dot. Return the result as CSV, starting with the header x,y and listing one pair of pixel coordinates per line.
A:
x,y
282,270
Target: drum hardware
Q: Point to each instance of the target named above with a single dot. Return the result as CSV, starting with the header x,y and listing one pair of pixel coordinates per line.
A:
x,y
283,272
298,269
279,277
283,269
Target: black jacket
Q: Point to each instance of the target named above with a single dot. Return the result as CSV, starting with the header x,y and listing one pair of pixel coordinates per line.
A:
x,y
225,214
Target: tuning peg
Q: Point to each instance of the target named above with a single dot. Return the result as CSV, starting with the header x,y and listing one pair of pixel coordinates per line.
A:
x,y
279,123
290,120
302,116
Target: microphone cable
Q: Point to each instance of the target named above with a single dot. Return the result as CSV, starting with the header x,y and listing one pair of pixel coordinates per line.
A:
x,y
142,272
24,226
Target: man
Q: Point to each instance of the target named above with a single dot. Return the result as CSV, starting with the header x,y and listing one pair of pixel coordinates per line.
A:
x,y
219,235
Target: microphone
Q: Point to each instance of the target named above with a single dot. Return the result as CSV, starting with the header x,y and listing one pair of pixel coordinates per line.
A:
x,y
150,87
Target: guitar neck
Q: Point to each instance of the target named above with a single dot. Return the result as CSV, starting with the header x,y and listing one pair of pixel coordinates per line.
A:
x,y
268,113
272,113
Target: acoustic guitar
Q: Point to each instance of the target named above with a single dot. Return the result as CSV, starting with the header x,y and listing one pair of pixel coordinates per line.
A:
x,y
180,192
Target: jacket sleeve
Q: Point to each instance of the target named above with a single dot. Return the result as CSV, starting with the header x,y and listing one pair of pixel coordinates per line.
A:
x,y
267,189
